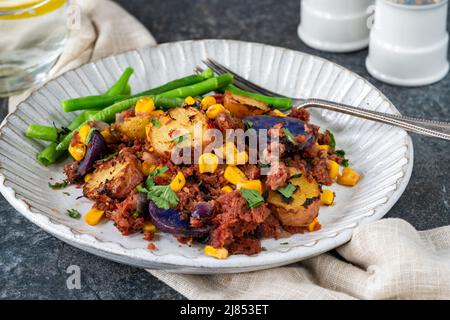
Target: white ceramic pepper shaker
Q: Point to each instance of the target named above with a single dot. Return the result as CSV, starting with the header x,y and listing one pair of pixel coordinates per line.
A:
x,y
409,42
335,25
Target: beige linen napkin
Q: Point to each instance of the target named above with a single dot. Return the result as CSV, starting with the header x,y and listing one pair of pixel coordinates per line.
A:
x,y
105,28
387,259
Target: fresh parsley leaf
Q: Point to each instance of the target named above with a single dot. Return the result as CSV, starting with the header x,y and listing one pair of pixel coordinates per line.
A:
x,y
75,214
149,182
136,214
66,193
332,140
289,136
59,185
89,136
288,190
156,123
140,188
179,139
112,155
163,196
248,123
253,197
344,163
340,153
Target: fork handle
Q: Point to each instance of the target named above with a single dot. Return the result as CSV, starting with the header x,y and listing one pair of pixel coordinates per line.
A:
x,y
420,126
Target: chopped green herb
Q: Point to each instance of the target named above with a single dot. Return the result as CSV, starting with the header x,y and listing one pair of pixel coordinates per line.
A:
x,y
298,175
156,123
149,182
112,155
344,163
136,214
59,185
248,123
140,188
332,140
288,190
75,214
89,136
253,197
340,153
66,193
289,136
163,196
179,139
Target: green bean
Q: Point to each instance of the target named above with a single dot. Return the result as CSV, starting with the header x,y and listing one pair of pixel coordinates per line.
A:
x,y
200,88
90,102
120,86
45,133
276,102
182,82
50,155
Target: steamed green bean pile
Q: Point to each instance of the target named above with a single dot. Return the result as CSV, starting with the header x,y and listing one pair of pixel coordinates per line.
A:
x,y
118,98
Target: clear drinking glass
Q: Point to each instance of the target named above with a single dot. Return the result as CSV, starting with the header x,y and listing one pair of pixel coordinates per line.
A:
x,y
32,37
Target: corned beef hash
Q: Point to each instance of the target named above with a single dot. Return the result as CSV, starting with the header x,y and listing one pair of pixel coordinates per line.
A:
x,y
141,161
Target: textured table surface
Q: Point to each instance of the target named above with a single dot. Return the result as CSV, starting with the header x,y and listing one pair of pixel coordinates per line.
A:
x,y
33,264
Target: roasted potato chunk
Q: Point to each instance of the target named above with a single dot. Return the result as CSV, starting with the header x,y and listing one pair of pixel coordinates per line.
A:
x,y
116,178
242,106
303,207
134,127
177,129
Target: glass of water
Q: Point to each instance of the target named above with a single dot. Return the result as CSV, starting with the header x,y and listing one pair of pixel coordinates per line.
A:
x,y
32,37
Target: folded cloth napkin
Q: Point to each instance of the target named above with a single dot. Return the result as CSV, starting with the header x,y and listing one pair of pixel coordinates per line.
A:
x,y
387,259
105,28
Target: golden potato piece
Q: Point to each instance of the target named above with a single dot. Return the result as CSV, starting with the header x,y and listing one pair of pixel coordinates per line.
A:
x,y
134,127
115,178
303,208
177,129
242,106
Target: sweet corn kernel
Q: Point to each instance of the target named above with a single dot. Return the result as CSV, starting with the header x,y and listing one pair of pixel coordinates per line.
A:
x,y
208,162
83,133
323,147
250,184
77,151
234,175
277,113
227,189
87,177
94,216
189,101
148,128
334,169
219,253
214,110
148,227
208,101
144,105
313,225
157,113
327,198
147,168
349,177
107,135
178,182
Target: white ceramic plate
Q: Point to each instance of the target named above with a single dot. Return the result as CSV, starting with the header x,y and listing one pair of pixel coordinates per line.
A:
x,y
381,153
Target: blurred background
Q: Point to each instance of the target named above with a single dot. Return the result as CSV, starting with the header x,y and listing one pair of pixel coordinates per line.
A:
x,y
24,246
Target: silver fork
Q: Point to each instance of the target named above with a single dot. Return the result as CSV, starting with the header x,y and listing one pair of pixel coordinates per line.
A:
x,y
432,128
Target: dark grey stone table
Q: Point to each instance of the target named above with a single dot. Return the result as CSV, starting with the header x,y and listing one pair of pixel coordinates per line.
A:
x,y
33,264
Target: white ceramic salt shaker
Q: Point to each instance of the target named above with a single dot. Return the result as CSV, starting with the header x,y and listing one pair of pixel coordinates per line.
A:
x,y
409,42
335,25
